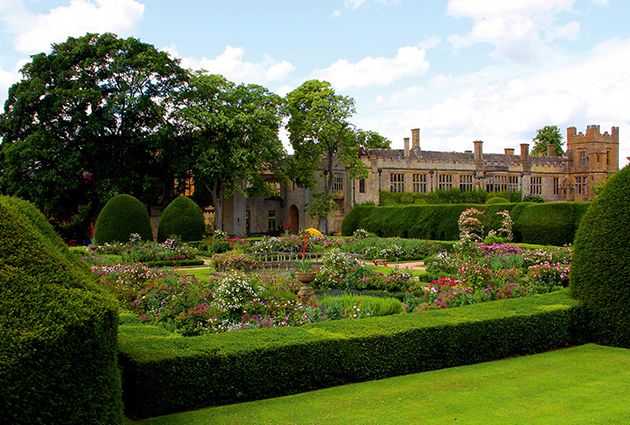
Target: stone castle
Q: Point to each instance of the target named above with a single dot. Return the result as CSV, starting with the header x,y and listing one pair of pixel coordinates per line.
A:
x,y
589,159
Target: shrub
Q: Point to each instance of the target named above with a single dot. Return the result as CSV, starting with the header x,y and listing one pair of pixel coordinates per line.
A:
x,y
496,200
549,223
57,329
360,306
233,261
120,217
165,373
601,263
184,218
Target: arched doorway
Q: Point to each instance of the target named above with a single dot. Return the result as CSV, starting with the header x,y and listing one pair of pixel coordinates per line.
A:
x,y
294,218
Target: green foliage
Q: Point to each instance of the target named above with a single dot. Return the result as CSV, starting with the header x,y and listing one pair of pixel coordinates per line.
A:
x,y
319,128
227,133
360,306
321,205
602,261
434,222
184,218
533,198
120,217
58,350
451,196
496,200
164,373
86,122
550,223
549,134
547,223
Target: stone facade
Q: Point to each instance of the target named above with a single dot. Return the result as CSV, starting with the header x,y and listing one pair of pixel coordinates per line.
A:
x,y
590,157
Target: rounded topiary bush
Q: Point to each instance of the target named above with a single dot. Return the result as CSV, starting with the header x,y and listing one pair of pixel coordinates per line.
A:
x,y
184,218
600,276
497,200
58,353
121,216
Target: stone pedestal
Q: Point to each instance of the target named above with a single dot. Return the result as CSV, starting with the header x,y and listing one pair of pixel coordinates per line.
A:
x,y
306,296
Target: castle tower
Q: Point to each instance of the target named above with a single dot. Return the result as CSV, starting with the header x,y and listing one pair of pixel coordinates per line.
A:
x,y
591,157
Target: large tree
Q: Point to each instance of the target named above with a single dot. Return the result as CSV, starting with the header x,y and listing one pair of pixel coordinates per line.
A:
x,y
232,133
87,122
548,135
320,130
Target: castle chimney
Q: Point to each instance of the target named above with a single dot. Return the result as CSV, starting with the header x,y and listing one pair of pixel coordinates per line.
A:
x,y
478,155
524,152
415,138
551,149
509,151
406,142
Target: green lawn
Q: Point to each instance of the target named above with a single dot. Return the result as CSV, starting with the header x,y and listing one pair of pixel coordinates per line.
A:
x,y
202,274
589,384
388,270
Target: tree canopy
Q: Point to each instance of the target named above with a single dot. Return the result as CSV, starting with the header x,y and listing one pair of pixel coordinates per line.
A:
x,y
86,122
549,134
232,133
319,128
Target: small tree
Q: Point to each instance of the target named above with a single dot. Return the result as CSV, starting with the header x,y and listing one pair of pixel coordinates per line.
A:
x,y
549,134
319,129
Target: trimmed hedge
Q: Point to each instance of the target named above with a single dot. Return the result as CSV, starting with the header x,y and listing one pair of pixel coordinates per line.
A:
x,y
547,224
120,217
58,340
434,222
601,265
496,200
184,218
550,223
164,373
451,196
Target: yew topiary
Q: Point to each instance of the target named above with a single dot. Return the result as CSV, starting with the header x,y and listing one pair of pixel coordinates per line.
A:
x,y
58,343
120,217
600,276
184,218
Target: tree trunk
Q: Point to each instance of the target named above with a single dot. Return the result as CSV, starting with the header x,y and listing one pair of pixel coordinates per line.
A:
x,y
216,191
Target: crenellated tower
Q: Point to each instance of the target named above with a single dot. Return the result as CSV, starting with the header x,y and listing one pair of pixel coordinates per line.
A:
x,y
591,157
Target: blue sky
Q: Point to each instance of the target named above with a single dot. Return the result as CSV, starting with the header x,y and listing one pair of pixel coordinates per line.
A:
x,y
460,70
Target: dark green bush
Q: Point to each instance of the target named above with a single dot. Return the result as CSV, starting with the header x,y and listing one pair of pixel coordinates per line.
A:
x,y
58,328
434,222
496,200
164,374
552,223
601,265
184,218
120,217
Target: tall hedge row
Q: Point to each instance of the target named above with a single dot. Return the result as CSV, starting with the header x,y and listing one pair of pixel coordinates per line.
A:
x,y
600,276
164,373
183,218
120,217
58,339
549,223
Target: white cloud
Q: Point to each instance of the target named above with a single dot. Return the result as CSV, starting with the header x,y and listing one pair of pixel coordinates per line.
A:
x,y
380,71
504,105
232,65
519,30
34,33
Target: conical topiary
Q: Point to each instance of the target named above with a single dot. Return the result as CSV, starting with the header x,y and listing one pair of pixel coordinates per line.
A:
x,y
600,276
120,217
58,352
183,218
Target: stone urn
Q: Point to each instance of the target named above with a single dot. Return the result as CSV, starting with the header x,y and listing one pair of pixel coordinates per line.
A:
x,y
305,277
306,295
